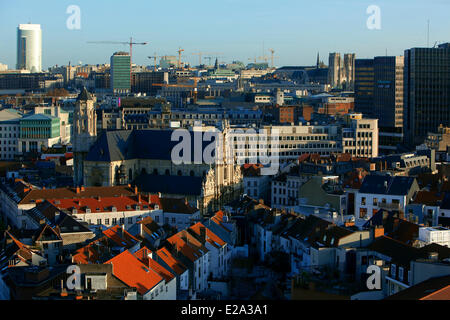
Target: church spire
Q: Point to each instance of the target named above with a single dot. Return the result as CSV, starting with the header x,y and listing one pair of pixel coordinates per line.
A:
x,y
318,61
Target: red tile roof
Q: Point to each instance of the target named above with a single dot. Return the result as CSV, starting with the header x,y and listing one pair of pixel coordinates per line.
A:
x,y
99,204
131,271
143,256
120,236
91,253
97,250
75,193
23,252
187,245
211,237
171,261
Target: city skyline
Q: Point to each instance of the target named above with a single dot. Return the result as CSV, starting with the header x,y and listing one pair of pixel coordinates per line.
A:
x,y
240,33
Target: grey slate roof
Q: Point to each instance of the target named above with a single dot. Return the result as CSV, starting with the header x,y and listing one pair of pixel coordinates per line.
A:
x,y
378,184
136,144
185,185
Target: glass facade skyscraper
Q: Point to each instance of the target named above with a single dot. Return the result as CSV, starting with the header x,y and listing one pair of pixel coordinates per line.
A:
x,y
426,92
120,73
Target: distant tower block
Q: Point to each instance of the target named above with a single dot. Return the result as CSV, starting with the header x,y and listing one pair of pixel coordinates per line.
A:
x,y
84,132
29,47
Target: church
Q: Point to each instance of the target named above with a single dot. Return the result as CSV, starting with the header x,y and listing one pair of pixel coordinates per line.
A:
x,y
143,158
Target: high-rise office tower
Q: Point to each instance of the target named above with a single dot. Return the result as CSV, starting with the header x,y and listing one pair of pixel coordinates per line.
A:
x,y
388,90
348,72
120,73
29,47
334,69
426,91
379,94
388,101
364,86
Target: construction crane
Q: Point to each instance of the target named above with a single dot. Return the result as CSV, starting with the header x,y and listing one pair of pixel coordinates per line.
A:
x,y
130,43
253,59
199,54
179,57
272,57
154,57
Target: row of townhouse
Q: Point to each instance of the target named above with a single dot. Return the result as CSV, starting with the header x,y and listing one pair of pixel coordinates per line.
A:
x,y
431,207
402,266
102,206
314,243
406,253
178,267
384,192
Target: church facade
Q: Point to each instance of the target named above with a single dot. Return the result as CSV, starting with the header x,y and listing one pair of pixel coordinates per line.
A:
x,y
143,158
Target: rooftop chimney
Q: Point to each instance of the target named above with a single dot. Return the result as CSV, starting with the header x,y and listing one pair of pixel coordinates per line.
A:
x,y
78,190
135,189
203,233
378,232
82,188
122,227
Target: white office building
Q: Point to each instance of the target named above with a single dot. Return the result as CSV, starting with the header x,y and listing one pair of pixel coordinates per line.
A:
x,y
437,235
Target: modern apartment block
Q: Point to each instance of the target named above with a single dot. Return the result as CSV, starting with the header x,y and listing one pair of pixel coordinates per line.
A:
x,y
120,73
427,91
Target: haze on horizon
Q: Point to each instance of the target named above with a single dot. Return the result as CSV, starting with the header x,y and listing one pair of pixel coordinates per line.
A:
x,y
296,29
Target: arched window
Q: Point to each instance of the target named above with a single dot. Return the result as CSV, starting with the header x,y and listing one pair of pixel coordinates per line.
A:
x,y
191,173
179,173
167,172
143,171
130,175
155,172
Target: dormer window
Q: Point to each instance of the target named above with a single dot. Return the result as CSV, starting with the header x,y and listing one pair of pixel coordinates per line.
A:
x,y
113,209
156,207
88,210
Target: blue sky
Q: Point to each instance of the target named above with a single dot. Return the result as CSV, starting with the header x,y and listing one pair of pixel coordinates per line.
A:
x,y
296,29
